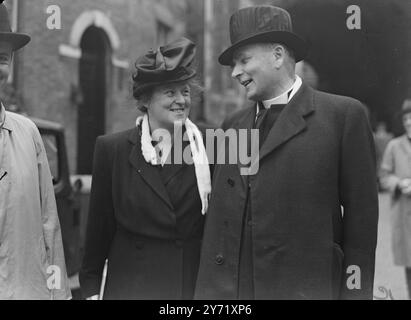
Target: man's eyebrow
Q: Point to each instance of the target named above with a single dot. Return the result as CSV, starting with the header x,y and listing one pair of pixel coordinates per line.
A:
x,y
237,56
240,55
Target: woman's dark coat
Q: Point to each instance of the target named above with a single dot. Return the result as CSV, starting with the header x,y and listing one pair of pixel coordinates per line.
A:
x,y
145,220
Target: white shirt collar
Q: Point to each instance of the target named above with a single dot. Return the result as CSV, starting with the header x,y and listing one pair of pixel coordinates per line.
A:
x,y
286,96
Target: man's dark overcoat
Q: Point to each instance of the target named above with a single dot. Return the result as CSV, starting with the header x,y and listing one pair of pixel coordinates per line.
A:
x,y
314,206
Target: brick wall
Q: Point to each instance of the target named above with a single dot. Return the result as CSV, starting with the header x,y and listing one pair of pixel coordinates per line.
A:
x,y
46,79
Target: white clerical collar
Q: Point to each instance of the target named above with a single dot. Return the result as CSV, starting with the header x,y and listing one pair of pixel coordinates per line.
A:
x,y
286,96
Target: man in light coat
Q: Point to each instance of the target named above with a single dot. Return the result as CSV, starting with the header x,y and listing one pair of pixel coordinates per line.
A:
x,y
280,233
32,262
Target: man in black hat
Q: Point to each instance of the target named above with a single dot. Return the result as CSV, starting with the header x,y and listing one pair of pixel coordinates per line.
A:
x,y
305,225
31,251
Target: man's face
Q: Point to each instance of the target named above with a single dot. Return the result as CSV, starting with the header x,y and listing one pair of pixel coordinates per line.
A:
x,y
253,67
5,61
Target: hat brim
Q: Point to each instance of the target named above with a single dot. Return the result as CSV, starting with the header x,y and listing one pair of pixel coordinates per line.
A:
x,y
291,40
148,85
17,40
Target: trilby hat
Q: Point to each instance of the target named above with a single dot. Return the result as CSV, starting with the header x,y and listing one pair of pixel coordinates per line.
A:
x,y
17,40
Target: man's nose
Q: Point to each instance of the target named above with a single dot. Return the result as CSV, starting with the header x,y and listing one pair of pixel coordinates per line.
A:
x,y
236,71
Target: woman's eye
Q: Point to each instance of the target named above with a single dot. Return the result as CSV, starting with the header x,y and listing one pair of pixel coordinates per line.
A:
x,y
186,92
169,93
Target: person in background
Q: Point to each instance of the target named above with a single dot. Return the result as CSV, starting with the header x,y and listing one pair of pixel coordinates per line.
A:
x,y
396,177
381,139
32,264
147,200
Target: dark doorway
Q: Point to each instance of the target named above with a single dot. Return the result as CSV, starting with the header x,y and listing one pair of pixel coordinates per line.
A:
x,y
91,111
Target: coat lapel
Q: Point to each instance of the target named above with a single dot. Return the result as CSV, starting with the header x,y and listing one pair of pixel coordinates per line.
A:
x,y
149,174
290,123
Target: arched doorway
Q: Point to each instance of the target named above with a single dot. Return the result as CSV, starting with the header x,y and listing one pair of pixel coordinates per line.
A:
x,y
93,70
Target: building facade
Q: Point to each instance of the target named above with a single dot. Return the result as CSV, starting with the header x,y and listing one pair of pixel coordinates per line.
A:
x,y
80,74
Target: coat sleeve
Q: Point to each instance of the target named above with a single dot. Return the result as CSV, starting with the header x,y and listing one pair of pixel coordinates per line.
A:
x,y
359,198
389,180
59,287
100,224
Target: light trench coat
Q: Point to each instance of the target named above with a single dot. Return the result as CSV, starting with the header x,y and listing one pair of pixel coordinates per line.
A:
x,y
395,166
32,262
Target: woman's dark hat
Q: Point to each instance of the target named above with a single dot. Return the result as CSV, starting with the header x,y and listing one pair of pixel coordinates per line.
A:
x,y
262,24
17,40
170,63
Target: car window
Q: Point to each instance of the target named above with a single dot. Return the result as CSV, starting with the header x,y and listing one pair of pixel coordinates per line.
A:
x,y
50,144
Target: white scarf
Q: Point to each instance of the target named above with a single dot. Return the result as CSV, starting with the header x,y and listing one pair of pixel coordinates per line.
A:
x,y
198,151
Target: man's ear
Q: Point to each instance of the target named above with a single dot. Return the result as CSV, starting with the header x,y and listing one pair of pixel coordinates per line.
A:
x,y
279,54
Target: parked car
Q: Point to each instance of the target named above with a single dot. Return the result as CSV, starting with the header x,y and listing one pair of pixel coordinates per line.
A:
x,y
71,198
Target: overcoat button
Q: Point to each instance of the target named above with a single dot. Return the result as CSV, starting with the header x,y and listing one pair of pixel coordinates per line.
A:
x,y
219,259
231,182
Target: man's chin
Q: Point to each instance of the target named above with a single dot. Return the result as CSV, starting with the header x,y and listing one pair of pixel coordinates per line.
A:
x,y
252,97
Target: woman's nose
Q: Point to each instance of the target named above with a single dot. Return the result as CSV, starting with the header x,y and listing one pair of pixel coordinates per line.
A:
x,y
179,98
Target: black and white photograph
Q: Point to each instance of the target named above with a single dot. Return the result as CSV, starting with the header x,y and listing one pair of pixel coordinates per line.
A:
x,y
207,154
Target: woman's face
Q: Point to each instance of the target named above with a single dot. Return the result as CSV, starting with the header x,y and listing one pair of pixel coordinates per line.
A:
x,y
406,120
169,103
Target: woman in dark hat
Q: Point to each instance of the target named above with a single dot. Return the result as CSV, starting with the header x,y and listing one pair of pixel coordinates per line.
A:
x,y
396,177
149,192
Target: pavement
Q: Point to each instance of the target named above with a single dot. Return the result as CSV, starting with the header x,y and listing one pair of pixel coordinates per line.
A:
x,y
389,282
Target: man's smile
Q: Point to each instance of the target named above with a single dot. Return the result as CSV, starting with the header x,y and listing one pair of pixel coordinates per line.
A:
x,y
245,83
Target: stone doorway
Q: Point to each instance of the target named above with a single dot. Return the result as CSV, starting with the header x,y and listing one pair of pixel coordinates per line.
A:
x,y
93,70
